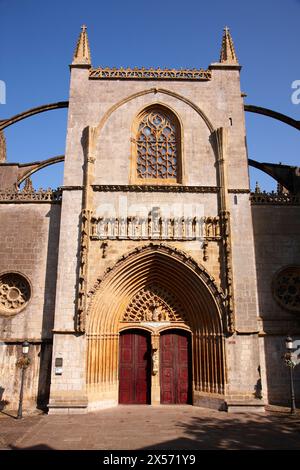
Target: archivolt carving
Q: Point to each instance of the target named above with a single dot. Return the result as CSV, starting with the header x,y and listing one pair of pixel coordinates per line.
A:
x,y
217,293
143,279
154,303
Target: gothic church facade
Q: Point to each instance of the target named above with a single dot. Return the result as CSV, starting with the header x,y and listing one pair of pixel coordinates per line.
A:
x,y
153,275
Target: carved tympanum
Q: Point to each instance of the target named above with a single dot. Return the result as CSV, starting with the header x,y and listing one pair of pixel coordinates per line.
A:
x,y
153,304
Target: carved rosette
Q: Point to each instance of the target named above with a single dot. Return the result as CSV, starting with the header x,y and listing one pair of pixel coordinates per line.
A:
x,y
15,293
154,304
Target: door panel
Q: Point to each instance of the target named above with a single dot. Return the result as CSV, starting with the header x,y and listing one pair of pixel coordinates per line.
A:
x,y
175,377
134,375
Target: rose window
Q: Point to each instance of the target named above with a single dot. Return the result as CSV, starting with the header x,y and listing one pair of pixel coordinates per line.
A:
x,y
286,288
15,293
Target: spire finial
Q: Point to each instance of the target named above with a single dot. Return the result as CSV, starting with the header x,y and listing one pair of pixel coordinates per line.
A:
x,y
228,55
82,55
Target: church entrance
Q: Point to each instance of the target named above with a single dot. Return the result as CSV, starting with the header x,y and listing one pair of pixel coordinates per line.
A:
x,y
135,368
155,332
175,367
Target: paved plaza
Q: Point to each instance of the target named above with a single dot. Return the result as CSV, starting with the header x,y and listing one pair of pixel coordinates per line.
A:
x,y
146,427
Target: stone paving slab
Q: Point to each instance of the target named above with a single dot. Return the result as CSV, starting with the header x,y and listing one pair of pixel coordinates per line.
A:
x,y
149,427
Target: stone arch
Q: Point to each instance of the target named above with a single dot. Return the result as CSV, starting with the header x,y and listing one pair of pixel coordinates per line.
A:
x,y
183,277
113,108
114,119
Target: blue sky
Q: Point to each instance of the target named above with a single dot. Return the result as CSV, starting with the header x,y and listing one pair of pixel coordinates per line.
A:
x,y
38,40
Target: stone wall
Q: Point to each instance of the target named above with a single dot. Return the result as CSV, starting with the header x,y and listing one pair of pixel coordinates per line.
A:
x,y
29,245
276,236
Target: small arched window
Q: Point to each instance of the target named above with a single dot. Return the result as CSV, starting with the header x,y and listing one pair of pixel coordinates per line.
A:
x,y
158,145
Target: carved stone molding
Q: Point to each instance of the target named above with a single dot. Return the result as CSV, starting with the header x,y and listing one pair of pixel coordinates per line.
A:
x,y
239,191
82,284
167,188
155,227
149,74
227,254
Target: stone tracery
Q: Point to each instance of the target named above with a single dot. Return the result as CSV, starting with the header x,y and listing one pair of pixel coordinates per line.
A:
x,y
15,293
157,145
286,288
153,303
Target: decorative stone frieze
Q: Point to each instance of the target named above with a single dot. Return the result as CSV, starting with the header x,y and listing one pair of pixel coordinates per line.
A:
x,y
155,227
144,188
149,74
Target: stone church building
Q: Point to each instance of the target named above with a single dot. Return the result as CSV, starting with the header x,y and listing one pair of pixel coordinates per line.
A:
x,y
153,275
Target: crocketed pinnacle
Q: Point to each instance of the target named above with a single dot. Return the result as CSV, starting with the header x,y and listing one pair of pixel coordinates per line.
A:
x,y
82,53
228,55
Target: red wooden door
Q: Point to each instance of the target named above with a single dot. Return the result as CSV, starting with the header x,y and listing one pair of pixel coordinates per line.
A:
x,y
134,375
175,377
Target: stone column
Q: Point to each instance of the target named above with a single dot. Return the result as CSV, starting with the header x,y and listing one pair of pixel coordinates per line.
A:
x,y
155,368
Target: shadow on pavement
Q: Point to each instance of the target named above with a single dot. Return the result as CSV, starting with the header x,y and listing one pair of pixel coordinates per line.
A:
x,y
265,432
36,447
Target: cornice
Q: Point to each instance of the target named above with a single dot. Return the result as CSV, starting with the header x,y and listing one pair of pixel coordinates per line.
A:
x,y
149,74
154,188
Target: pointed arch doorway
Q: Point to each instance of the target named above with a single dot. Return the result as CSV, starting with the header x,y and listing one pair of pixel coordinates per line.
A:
x,y
159,290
